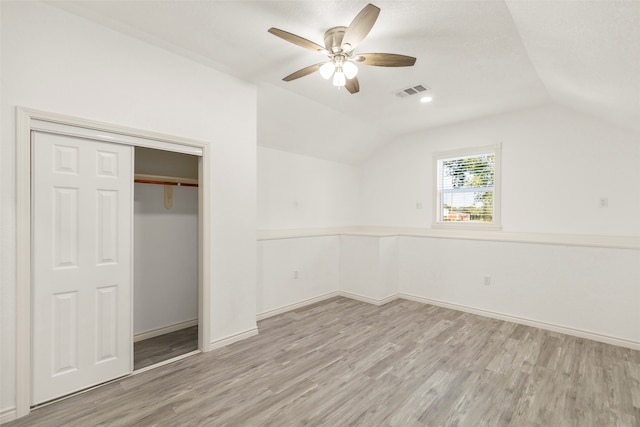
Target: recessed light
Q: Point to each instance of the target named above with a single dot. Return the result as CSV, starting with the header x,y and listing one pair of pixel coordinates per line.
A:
x,y
426,99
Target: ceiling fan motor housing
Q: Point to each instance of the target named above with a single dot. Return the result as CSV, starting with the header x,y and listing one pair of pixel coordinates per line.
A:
x,y
333,39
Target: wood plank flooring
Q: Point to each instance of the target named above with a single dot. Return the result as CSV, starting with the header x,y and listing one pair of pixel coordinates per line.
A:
x,y
342,362
164,347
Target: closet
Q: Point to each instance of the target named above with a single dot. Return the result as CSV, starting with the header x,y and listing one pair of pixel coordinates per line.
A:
x,y
165,256
110,264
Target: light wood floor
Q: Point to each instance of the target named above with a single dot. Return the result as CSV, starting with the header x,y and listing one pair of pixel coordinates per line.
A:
x,y
342,362
164,347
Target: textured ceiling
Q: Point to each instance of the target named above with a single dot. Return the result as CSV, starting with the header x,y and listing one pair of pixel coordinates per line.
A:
x,y
587,54
478,58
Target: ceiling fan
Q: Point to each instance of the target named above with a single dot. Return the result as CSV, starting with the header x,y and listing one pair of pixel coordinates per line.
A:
x,y
340,44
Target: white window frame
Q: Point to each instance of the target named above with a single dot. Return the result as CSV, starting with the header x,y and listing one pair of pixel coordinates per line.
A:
x,y
496,223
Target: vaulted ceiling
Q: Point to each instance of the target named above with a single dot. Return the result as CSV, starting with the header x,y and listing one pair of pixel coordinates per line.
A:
x,y
478,58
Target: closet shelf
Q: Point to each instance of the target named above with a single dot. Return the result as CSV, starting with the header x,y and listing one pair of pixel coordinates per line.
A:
x,y
165,180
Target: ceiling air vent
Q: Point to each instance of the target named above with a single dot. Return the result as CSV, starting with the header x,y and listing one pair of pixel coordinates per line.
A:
x,y
413,90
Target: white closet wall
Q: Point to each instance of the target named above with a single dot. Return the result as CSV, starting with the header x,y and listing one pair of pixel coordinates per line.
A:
x,y
165,244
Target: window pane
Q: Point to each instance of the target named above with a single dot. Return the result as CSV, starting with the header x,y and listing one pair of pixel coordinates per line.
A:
x,y
467,206
466,188
468,172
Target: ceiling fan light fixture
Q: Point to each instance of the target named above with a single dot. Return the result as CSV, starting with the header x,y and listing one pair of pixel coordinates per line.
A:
x,y
350,69
326,71
340,44
339,79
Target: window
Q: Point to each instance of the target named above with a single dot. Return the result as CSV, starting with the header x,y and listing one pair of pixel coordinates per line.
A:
x,y
468,188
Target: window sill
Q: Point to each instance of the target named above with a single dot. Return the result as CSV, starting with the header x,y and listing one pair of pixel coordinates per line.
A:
x,y
466,226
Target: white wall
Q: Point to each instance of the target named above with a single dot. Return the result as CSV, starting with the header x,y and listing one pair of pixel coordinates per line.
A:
x,y
57,62
369,266
296,191
584,288
557,164
165,258
294,270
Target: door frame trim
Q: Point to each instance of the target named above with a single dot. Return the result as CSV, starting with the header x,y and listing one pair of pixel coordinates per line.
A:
x,y
25,119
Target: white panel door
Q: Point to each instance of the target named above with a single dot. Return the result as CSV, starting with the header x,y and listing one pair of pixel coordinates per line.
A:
x,y
82,210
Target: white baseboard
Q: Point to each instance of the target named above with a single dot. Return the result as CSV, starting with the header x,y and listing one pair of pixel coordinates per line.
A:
x,y
222,342
368,300
290,307
7,415
164,330
621,342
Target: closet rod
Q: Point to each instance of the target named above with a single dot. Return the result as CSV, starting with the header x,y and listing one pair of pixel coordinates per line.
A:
x,y
179,184
165,180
